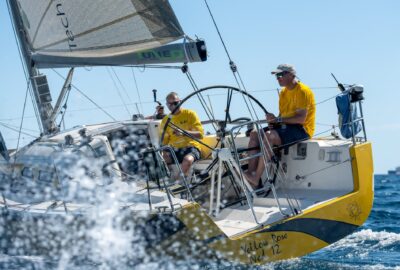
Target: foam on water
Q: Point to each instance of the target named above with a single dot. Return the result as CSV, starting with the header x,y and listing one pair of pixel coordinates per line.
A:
x,y
112,247
367,238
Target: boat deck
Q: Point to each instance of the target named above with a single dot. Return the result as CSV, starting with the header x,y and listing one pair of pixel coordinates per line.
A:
x,y
239,219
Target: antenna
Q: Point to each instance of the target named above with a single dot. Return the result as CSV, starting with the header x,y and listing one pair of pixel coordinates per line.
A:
x,y
340,85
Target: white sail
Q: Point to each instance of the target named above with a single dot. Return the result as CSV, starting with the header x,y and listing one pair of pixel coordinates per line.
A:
x,y
95,32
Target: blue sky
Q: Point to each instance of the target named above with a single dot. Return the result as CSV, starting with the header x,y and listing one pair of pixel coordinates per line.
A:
x,y
359,41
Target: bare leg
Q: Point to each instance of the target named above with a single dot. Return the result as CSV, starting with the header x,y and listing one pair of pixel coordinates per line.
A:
x,y
273,139
187,163
254,142
167,157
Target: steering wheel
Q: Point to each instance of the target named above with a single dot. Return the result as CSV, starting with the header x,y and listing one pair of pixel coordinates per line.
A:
x,y
229,90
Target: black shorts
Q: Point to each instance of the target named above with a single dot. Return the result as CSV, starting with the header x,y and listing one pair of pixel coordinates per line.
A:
x,y
182,152
291,134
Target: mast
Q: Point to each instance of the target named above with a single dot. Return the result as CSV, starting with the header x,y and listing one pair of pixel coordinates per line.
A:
x,y
40,88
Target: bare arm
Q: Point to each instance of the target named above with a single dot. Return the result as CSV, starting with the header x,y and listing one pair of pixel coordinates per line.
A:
x,y
298,118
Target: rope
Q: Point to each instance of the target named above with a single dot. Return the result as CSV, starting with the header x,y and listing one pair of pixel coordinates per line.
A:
x,y
88,98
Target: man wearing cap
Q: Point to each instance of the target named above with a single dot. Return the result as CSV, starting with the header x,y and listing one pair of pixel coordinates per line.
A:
x,y
159,113
296,120
186,148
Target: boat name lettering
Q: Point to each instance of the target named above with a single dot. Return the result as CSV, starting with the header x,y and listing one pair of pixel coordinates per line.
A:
x,y
258,258
254,246
65,23
278,238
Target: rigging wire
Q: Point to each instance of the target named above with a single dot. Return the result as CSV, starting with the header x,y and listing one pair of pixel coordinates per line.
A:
x,y
206,108
325,100
22,121
122,86
185,70
234,69
16,130
208,96
137,91
240,83
88,98
118,106
219,33
118,91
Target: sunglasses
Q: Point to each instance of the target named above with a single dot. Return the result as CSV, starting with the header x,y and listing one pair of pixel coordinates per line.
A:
x,y
281,74
173,103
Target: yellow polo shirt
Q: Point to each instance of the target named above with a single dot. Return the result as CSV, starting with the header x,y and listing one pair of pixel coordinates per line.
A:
x,y
187,120
301,97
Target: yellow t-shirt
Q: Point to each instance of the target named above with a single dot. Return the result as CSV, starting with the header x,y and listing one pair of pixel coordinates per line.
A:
x,y
187,120
301,97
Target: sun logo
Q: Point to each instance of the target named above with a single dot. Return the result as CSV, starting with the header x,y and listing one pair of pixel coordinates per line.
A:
x,y
354,210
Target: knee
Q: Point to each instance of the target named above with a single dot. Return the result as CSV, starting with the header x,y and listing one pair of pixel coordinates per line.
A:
x,y
274,138
188,159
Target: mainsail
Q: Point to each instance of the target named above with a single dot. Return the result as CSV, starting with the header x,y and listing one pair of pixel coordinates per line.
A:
x,y
61,33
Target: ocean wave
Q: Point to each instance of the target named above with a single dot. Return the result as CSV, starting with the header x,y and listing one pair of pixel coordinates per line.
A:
x,y
386,215
368,239
307,263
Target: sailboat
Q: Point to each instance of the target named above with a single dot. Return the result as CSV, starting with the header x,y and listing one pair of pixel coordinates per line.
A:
x,y
314,192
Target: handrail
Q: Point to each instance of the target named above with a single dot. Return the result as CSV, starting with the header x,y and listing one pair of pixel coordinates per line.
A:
x,y
166,187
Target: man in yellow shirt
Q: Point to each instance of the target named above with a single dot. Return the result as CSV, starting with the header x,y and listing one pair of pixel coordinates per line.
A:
x,y
186,149
296,120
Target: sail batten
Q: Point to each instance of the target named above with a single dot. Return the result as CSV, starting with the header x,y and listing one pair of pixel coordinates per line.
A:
x,y
98,29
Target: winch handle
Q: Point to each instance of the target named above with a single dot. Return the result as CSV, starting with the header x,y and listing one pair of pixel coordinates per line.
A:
x,y
155,97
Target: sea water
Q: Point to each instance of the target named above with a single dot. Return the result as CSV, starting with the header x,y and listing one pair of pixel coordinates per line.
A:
x,y
375,245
